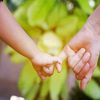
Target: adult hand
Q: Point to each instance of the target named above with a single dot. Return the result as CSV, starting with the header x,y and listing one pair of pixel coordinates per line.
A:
x,y
87,39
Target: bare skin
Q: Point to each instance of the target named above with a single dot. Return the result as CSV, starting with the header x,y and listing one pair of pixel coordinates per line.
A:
x,y
88,38
79,59
15,36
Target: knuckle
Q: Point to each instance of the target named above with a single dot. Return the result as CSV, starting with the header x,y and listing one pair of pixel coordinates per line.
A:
x,y
78,68
85,70
84,60
75,71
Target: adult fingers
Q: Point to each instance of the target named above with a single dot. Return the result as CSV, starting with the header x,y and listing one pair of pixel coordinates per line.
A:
x,y
81,64
92,62
83,72
72,61
85,81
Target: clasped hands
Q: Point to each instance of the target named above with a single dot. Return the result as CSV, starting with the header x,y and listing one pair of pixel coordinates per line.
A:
x,y
44,63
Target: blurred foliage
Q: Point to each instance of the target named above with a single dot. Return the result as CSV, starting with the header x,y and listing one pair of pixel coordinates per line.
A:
x,y
51,24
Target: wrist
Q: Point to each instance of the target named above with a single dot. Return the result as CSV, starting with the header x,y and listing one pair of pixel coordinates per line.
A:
x,y
35,54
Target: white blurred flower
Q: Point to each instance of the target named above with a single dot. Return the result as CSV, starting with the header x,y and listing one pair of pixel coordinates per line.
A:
x,y
16,2
92,3
16,98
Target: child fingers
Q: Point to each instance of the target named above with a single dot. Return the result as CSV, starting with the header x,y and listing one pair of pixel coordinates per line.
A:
x,y
52,60
49,70
81,64
76,58
43,77
41,72
83,72
59,67
46,70
56,60
59,64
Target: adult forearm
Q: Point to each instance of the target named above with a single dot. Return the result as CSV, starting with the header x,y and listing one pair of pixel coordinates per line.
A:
x,y
14,35
93,21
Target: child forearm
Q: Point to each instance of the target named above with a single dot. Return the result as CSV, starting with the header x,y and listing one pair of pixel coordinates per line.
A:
x,y
14,35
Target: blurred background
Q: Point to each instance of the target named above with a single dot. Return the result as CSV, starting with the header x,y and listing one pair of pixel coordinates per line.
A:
x,y
51,24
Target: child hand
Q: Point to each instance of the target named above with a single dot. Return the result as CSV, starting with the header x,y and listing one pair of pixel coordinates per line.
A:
x,y
44,64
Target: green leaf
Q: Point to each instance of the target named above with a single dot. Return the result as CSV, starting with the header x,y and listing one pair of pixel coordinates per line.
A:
x,y
99,62
33,92
67,27
44,89
84,4
82,17
97,2
17,58
9,50
57,82
20,14
27,80
97,72
35,33
38,11
93,90
64,92
58,13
